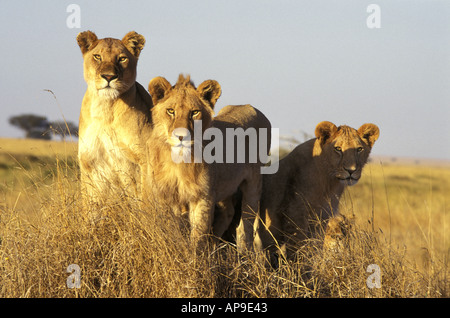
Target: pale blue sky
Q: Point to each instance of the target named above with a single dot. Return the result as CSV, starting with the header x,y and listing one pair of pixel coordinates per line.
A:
x,y
300,62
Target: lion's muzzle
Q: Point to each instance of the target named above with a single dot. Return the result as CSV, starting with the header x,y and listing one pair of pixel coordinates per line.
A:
x,y
109,77
180,137
349,175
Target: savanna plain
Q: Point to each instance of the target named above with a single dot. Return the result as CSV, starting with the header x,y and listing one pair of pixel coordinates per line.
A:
x,y
398,213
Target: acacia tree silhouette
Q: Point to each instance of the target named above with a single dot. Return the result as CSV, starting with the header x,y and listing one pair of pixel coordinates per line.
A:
x,y
35,126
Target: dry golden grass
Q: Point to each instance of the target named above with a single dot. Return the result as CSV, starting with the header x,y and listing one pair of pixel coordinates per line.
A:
x,y
409,204
130,252
37,147
28,168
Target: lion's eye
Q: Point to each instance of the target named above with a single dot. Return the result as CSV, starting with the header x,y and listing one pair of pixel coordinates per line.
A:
x,y
194,113
123,59
360,149
338,149
97,57
170,111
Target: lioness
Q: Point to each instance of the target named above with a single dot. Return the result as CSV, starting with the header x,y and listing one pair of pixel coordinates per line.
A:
x,y
311,180
194,184
115,113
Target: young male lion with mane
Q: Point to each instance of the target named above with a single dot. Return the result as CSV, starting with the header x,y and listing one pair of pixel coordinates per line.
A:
x,y
304,194
195,185
115,114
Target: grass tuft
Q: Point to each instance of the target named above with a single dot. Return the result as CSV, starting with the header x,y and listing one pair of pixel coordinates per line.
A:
x,y
399,225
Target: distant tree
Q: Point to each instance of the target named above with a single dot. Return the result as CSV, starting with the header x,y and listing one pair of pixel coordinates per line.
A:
x,y
64,129
35,126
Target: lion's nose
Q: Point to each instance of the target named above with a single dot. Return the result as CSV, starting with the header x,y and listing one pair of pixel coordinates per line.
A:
x,y
109,77
180,133
350,169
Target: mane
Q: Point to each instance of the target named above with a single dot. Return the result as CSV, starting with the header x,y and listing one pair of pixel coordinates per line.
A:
x,y
184,82
179,182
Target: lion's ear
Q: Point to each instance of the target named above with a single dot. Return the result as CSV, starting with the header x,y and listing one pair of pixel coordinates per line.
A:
x,y
158,88
369,133
134,42
210,91
86,40
324,130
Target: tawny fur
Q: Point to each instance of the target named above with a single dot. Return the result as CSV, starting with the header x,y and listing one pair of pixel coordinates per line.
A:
x,y
197,187
115,114
306,190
